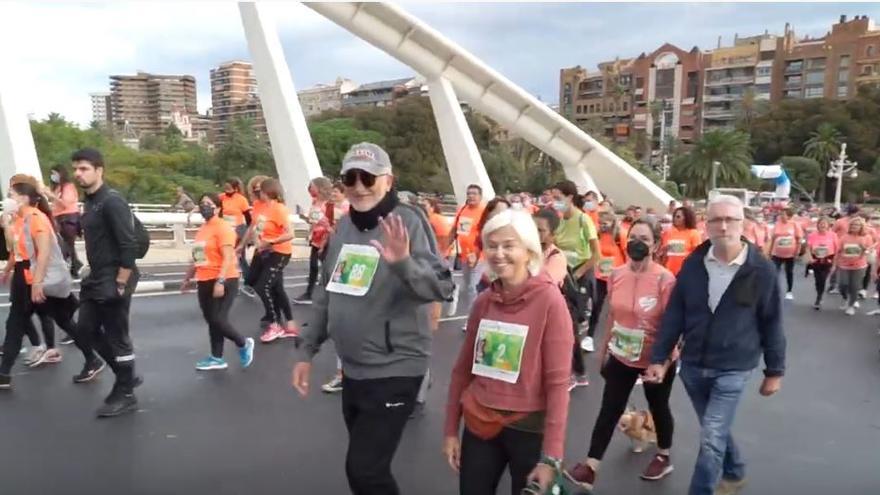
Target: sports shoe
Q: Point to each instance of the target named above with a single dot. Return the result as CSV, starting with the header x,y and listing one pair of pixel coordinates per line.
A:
x,y
289,331
583,475
66,340
50,356
834,290
90,371
5,382
817,305
211,363
729,487
587,344
789,296
117,403
35,356
850,311
304,298
273,332
578,381
246,353
248,291
333,386
873,312
856,305
863,294
658,468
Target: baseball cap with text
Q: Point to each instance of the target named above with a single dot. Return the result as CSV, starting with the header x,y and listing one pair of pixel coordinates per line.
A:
x,y
367,157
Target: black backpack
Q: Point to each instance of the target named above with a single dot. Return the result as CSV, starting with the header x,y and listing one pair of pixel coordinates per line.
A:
x,y
141,236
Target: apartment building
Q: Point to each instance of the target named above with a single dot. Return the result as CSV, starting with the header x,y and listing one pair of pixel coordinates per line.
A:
x,y
143,103
383,93
101,108
324,97
234,95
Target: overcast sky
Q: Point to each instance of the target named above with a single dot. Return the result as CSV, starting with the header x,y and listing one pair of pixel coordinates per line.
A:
x,y
60,52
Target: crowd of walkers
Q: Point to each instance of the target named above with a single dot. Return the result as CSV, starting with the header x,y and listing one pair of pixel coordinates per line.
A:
x,y
683,294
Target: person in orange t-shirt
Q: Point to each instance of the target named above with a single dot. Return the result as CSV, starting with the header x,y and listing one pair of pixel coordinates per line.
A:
x,y
611,255
213,267
681,240
440,225
276,246
464,234
785,246
236,211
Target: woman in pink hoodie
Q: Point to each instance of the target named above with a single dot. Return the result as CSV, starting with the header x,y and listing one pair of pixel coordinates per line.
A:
x,y
509,382
637,296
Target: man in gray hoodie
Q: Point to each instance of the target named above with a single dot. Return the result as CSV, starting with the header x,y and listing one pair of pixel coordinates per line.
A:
x,y
381,272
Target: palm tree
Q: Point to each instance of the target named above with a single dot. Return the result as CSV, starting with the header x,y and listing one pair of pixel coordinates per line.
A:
x,y
730,149
823,146
750,108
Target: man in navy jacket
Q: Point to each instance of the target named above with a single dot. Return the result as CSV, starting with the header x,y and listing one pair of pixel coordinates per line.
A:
x,y
726,309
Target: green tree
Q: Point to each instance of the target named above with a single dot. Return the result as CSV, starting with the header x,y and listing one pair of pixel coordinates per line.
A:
x,y
172,139
244,154
729,148
804,172
332,139
823,146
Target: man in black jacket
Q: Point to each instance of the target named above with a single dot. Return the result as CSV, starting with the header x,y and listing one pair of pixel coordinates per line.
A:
x,y
105,294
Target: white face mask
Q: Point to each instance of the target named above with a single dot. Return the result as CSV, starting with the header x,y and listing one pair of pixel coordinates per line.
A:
x,y
516,206
10,206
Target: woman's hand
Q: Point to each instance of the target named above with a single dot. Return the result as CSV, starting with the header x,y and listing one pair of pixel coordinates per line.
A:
x,y
542,475
452,451
219,290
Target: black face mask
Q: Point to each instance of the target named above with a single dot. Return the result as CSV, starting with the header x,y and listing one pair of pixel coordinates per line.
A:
x,y
637,250
207,211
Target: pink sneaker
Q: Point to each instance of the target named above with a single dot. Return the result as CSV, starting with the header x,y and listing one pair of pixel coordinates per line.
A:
x,y
290,331
273,332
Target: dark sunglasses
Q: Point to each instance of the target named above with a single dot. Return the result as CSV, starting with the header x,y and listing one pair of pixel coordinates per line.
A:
x,y
350,178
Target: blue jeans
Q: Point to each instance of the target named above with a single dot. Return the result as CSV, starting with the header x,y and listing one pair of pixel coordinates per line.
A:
x,y
715,395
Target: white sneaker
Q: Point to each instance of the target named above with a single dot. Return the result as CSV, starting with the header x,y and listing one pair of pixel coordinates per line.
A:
x,y
850,311
35,358
856,304
873,312
863,293
789,296
587,344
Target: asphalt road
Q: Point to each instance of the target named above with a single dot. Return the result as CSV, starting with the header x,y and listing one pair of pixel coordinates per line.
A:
x,y
247,432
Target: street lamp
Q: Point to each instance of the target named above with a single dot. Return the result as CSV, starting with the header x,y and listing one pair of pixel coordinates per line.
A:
x,y
838,168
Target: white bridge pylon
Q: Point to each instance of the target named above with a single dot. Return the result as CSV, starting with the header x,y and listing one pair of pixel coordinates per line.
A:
x,y
428,52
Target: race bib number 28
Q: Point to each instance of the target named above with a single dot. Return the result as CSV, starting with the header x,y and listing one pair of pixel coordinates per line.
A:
x,y
354,271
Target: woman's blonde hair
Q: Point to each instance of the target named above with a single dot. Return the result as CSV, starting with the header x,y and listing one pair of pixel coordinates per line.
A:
x,y
324,186
525,228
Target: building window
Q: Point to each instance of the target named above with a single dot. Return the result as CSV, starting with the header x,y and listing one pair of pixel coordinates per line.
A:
x,y
869,51
625,80
578,109
763,71
640,82
842,91
815,77
814,92
816,63
625,105
867,70
844,61
692,84
842,77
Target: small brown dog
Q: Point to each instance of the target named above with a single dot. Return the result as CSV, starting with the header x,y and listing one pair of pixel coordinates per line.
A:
x,y
639,427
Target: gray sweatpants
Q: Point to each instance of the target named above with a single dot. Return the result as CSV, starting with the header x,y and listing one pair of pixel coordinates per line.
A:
x,y
850,282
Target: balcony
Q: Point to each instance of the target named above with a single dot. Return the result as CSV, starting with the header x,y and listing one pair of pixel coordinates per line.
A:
x,y
724,97
794,84
720,114
727,81
794,69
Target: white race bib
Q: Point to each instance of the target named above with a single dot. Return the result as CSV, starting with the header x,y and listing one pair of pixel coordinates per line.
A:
x,y
626,343
785,241
354,271
820,252
464,225
606,266
852,250
675,247
498,350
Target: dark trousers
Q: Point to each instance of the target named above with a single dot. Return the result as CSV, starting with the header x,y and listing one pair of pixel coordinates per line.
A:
x,y
19,322
619,382
69,229
270,288
104,326
216,313
789,269
314,266
598,301
585,289
483,461
820,276
375,413
867,279
577,357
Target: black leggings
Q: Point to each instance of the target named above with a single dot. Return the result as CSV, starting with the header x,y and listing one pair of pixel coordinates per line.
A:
x,y
314,265
270,288
789,269
216,313
69,229
598,300
820,274
484,461
619,382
